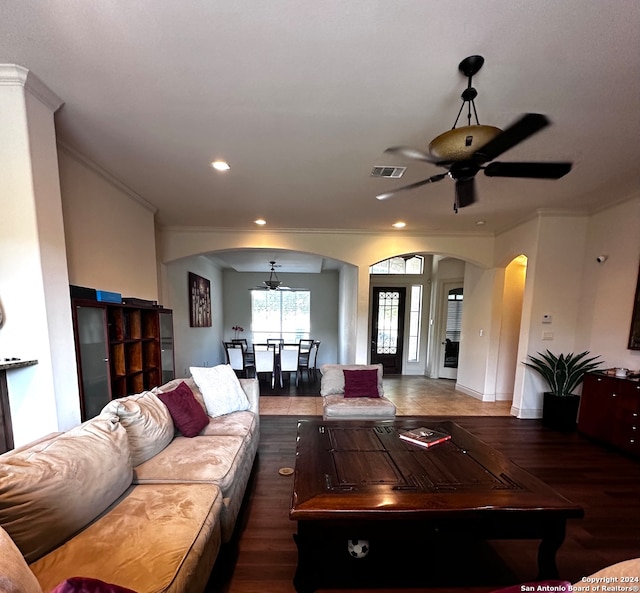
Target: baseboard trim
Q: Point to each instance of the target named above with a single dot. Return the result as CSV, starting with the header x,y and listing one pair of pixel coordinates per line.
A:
x,y
475,394
526,413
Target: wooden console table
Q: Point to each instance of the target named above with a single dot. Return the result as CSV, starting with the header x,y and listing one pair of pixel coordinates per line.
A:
x,y
6,429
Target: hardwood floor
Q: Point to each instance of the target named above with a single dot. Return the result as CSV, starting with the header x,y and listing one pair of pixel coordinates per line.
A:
x,y
262,556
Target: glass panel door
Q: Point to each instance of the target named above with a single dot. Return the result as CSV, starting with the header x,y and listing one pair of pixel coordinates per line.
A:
x,y
91,323
166,346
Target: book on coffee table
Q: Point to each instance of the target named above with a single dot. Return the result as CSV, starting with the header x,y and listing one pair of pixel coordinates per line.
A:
x,y
423,436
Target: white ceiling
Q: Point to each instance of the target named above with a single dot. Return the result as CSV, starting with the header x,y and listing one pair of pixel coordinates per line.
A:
x,y
302,97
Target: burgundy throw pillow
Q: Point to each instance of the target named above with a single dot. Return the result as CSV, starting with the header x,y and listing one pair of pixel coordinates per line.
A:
x,y
88,585
362,383
186,412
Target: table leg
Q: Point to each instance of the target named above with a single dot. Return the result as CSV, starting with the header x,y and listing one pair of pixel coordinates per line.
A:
x,y
549,545
304,580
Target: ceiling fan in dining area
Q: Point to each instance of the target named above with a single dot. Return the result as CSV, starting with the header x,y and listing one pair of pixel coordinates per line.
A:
x,y
273,282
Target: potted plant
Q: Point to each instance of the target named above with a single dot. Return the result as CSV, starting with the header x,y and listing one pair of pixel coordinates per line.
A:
x,y
563,374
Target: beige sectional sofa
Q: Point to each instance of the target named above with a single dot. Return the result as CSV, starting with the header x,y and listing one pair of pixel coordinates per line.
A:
x,y
126,499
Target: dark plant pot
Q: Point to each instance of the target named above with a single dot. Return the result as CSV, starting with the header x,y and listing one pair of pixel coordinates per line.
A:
x,y
560,412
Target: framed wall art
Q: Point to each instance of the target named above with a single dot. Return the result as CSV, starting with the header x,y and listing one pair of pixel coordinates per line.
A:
x,y
199,301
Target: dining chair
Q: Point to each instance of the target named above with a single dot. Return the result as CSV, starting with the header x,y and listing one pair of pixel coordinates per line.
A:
x,y
305,348
245,346
264,356
275,341
313,359
236,357
289,360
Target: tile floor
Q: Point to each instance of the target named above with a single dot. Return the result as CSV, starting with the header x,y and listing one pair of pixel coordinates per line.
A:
x,y
412,395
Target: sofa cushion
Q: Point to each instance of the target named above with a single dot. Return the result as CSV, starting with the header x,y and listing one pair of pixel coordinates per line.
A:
x,y
243,424
157,538
211,459
223,460
332,381
147,422
220,389
361,408
50,492
187,414
361,383
15,574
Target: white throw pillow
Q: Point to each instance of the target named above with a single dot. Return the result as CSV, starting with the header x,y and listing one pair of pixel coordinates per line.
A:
x,y
221,389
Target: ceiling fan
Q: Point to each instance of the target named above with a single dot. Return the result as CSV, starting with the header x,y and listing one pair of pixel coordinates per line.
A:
x,y
274,283
466,150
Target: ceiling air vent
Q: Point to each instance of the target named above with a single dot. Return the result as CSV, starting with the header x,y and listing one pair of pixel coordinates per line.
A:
x,y
393,172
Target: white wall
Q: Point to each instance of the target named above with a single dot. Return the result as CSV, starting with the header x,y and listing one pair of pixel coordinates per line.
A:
x,y
195,346
110,233
608,288
33,266
347,314
480,334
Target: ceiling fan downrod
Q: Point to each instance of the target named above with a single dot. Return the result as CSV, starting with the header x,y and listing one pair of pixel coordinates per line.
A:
x,y
469,67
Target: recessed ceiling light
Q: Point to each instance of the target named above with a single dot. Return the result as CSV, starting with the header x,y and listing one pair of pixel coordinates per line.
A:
x,y
220,166
399,224
260,221
481,222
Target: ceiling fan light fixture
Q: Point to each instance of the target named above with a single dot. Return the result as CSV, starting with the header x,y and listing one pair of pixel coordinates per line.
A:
x,y
459,144
274,282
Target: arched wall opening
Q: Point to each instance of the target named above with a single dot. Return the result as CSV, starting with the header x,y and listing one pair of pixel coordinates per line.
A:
x,y
510,323
233,274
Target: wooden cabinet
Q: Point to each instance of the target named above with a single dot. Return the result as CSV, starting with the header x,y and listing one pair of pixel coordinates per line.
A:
x,y
119,350
610,411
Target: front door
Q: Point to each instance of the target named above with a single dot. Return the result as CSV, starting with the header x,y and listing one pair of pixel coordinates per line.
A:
x,y
387,328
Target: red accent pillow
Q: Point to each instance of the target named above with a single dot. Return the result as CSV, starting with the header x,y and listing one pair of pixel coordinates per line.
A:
x,y
88,585
187,413
363,383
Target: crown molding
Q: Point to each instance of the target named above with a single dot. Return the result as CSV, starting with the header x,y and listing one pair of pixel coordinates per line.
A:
x,y
87,162
14,75
376,232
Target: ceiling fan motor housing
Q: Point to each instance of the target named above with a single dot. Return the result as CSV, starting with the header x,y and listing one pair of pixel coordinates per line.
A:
x,y
459,144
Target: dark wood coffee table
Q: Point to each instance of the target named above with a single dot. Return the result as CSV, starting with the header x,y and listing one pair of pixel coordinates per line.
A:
x,y
359,479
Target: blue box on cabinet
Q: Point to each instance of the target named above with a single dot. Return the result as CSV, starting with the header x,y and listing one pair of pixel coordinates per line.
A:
x,y
108,297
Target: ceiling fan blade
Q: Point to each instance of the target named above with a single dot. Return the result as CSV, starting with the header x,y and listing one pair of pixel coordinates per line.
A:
x,y
529,170
465,193
526,126
410,153
412,186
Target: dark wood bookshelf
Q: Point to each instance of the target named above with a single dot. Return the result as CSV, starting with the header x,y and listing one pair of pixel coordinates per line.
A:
x,y
121,350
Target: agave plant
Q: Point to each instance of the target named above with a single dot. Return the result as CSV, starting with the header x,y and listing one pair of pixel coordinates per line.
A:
x,y
565,372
